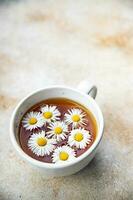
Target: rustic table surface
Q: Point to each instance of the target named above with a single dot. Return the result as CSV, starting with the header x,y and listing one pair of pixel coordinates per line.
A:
x,y
65,42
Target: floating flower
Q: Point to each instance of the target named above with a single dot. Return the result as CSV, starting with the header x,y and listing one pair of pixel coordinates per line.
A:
x,y
79,138
75,117
33,120
50,113
63,154
58,130
40,144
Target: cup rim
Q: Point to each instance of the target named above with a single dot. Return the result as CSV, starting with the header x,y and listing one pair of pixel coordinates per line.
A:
x,y
51,165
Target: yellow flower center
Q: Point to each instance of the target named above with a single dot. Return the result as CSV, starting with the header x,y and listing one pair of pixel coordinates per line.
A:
x,y
47,115
75,118
32,121
41,141
58,130
63,155
78,137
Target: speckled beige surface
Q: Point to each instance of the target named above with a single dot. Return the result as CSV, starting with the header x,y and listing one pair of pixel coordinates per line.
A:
x,y
48,42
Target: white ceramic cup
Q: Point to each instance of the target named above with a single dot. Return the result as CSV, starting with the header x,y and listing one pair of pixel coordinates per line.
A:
x,y
84,95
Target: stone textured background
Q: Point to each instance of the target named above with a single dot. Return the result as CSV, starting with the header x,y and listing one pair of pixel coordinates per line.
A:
x,y
65,42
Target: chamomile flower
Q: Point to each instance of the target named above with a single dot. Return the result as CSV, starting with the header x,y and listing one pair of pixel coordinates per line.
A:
x,y
79,138
63,154
50,113
75,117
32,120
40,144
58,130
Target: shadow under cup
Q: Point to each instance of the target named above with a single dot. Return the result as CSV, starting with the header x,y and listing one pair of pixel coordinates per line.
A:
x,y
57,92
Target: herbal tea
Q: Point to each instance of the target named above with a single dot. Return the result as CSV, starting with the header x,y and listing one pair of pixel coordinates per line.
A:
x,y
57,131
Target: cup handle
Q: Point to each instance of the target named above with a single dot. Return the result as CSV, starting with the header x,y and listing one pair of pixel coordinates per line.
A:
x,y
88,88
